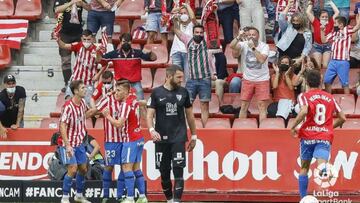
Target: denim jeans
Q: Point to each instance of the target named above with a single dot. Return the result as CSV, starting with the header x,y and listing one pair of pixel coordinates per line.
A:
x,y
97,19
139,90
235,85
270,8
180,59
226,19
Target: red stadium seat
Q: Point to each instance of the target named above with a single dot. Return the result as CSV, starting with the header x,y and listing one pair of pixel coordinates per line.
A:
x,y
159,77
28,9
218,123
232,99
52,123
357,107
6,8
146,81
290,122
346,102
123,26
352,123
230,60
89,123
5,56
141,23
60,101
99,124
213,105
272,123
161,54
198,123
241,123
130,9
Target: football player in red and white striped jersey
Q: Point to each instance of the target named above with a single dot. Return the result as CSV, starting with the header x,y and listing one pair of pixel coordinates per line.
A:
x,y
73,131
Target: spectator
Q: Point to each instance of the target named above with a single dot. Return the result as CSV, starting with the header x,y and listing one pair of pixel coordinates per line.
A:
x,y
270,10
256,72
298,80
252,14
322,52
85,66
202,69
126,52
283,89
341,41
342,5
355,51
103,88
178,52
69,33
13,98
102,14
280,7
154,21
228,12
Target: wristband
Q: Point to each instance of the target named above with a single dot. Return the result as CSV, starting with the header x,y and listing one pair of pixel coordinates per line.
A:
x,y
151,129
193,137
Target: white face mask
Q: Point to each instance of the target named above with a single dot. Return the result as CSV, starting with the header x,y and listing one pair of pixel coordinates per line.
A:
x,y
323,22
87,44
184,17
11,90
108,86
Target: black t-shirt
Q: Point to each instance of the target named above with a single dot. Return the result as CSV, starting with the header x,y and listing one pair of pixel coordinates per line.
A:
x,y
296,47
67,27
170,113
9,116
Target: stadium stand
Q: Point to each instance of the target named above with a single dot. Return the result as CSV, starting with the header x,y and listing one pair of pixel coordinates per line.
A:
x,y
218,123
159,77
243,123
272,123
6,9
213,105
121,26
130,9
346,102
146,81
5,56
352,124
28,9
162,55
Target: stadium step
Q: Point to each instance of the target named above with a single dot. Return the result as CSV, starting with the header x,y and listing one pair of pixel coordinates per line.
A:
x,y
40,103
40,44
33,121
45,36
40,50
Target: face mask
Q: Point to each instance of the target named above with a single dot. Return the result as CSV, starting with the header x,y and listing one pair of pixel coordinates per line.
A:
x,y
126,47
296,26
323,22
87,44
358,90
184,18
108,86
283,67
198,38
11,90
336,28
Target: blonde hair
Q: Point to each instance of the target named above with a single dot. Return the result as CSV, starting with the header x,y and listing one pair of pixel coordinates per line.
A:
x,y
302,19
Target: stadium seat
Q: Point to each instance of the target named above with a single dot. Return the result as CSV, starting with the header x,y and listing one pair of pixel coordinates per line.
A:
x,y
346,102
89,123
120,26
352,124
231,99
161,54
52,123
241,123
159,77
141,23
99,124
5,56
6,8
269,123
60,101
218,123
357,107
28,9
198,123
231,61
130,9
213,105
146,81
290,122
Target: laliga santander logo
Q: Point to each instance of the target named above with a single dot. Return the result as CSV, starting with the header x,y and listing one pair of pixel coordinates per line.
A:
x,y
325,175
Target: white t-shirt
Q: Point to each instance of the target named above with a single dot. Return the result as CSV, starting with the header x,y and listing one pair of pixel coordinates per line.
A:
x,y
254,70
179,46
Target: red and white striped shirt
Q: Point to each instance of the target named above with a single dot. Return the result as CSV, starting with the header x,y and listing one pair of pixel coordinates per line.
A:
x,y
85,65
341,43
112,134
130,111
74,116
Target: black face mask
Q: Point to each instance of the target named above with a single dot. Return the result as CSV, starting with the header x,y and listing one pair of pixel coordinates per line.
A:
x,y
198,38
296,26
126,47
283,67
336,28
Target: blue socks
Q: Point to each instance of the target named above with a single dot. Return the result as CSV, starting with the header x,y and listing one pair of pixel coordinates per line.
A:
x,y
139,181
130,184
67,185
80,183
120,184
303,185
106,182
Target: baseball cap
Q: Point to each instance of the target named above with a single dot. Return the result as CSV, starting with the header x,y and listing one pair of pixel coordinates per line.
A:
x,y
9,78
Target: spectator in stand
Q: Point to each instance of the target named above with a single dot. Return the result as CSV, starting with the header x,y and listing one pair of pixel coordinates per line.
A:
x,y
283,89
322,52
280,7
85,66
341,42
126,52
296,40
228,12
252,14
178,52
102,14
154,22
103,88
256,72
13,100
202,69
69,33
298,80
270,10
355,51
342,5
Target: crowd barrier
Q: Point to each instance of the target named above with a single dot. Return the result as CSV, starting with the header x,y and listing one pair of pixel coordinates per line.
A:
x,y
223,161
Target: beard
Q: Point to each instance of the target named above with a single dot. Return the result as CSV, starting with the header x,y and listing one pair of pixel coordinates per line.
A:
x,y
174,84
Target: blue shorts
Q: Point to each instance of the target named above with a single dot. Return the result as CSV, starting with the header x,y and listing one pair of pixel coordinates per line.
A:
x,y
201,87
113,153
78,158
318,149
132,151
322,48
339,68
153,23
97,19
